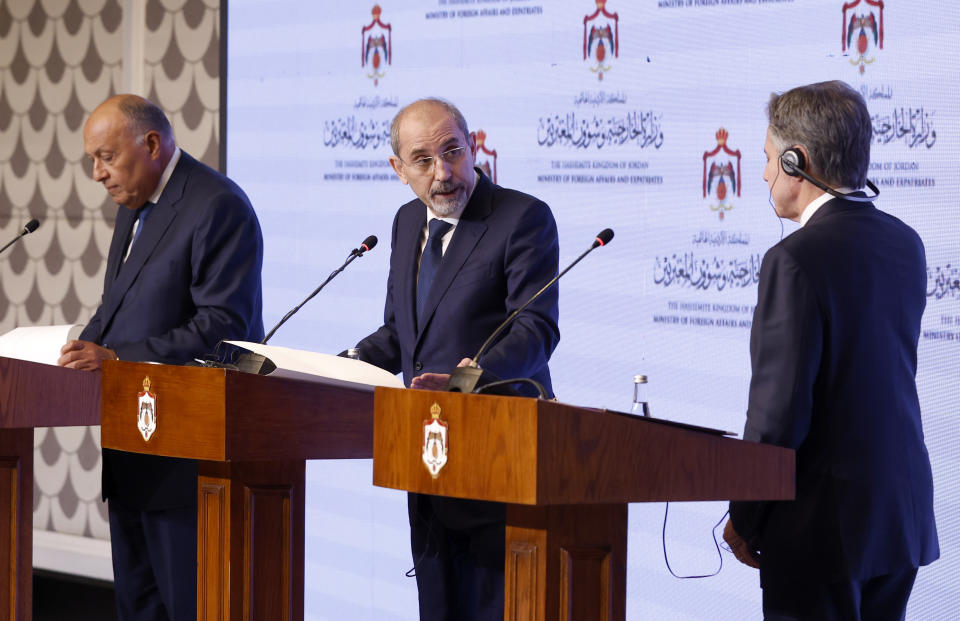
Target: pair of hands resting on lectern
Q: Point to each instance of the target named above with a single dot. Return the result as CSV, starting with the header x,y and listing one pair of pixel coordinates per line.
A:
x,y
435,381
84,355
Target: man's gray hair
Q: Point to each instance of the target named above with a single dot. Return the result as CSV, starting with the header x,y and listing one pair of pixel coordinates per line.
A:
x,y
145,116
831,120
451,109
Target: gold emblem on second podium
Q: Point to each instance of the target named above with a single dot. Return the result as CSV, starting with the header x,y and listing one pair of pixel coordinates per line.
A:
x,y
435,444
146,411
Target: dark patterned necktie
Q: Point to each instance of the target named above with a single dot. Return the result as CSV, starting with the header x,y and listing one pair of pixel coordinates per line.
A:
x,y
430,262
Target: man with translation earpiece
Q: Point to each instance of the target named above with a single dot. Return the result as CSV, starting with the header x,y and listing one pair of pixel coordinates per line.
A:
x,y
833,352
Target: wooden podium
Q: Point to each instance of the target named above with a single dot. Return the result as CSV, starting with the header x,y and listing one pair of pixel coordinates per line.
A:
x,y
567,474
251,435
31,395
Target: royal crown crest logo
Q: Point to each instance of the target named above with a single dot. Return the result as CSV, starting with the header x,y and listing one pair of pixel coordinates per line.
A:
x,y
486,157
146,411
435,444
721,175
376,47
601,39
862,31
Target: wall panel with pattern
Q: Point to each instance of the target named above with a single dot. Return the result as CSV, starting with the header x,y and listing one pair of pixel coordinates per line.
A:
x,y
59,60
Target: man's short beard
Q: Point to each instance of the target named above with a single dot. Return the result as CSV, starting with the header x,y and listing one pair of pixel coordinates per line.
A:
x,y
446,207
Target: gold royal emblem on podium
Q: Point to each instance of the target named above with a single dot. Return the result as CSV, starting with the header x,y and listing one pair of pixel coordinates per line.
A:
x,y
435,444
146,411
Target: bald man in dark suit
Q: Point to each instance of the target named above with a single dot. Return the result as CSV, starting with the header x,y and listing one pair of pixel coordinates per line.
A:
x,y
183,272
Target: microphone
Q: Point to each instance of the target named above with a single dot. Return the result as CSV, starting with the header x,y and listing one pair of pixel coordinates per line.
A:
x,y
465,379
28,228
365,246
603,238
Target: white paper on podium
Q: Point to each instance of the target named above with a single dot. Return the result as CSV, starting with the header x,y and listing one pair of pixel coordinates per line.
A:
x,y
324,368
37,343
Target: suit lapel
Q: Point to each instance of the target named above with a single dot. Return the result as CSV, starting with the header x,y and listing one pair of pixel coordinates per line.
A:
x,y
470,229
408,235
161,217
121,231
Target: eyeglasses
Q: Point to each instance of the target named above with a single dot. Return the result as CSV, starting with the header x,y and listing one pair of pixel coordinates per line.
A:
x,y
424,163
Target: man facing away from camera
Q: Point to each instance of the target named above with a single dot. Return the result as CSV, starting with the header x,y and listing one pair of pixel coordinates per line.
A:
x,y
833,352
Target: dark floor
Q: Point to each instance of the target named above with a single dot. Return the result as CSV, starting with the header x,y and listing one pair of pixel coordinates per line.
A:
x,y
61,597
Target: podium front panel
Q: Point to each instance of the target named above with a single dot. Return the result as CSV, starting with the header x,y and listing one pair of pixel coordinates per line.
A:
x,y
220,415
490,444
534,452
189,410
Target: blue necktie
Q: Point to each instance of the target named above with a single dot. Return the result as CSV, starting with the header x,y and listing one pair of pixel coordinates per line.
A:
x,y
142,214
141,220
430,262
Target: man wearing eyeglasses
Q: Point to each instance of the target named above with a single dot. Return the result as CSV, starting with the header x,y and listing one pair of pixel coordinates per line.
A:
x,y
465,254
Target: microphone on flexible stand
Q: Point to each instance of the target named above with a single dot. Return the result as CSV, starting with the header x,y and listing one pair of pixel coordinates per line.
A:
x,y
367,245
465,379
255,363
28,228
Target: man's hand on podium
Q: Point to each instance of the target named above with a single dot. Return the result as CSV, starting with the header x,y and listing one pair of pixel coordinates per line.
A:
x,y
84,355
434,381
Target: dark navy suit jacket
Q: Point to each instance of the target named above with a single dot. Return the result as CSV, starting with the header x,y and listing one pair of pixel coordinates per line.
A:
x,y
834,358
191,279
503,250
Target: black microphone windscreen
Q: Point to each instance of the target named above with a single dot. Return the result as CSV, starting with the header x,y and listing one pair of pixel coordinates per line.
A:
x,y
31,226
603,237
369,243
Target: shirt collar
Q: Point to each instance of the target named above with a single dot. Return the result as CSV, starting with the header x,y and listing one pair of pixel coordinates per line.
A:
x,y
817,203
165,177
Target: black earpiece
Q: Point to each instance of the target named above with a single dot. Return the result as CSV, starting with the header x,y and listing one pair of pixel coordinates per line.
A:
x,y
792,162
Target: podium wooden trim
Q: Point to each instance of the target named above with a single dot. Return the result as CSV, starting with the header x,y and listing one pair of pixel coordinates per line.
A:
x,y
250,435
566,474
31,395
